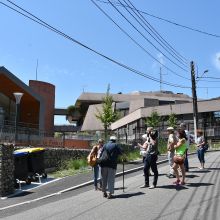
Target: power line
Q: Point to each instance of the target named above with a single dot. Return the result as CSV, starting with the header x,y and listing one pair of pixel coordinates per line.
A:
x,y
168,21
145,36
129,36
46,25
162,41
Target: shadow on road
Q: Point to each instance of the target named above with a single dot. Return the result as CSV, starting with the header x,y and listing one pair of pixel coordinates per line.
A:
x,y
128,195
24,193
191,176
200,171
176,187
199,184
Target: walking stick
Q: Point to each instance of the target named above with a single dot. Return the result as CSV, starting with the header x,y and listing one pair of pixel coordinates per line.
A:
x,y
123,175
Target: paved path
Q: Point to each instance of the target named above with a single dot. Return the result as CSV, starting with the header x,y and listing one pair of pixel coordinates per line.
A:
x,y
198,199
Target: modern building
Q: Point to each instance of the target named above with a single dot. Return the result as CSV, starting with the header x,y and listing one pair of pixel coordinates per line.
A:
x,y
125,104
36,105
135,107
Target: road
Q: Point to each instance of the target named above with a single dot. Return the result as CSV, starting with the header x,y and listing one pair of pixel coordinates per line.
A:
x,y
198,199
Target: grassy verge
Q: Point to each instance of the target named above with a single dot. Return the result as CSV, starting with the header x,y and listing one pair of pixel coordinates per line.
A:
x,y
71,167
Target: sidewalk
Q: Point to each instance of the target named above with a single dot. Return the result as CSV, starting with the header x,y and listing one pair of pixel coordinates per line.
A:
x,y
36,190
198,199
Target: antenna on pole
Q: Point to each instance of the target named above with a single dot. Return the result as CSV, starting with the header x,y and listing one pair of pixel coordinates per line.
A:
x,y
36,69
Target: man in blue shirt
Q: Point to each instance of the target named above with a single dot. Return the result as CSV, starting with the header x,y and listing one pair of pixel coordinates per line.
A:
x,y
109,168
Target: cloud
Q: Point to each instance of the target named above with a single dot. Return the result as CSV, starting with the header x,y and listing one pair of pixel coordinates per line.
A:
x,y
217,60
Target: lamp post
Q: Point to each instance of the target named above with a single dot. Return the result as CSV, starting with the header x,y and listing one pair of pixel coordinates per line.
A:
x,y
18,96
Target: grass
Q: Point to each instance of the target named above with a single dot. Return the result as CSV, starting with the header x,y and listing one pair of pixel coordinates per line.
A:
x,y
71,167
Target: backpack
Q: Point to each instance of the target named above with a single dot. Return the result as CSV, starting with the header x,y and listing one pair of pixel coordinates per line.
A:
x,y
92,157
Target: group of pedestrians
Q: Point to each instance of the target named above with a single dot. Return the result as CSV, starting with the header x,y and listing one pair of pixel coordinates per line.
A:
x,y
177,151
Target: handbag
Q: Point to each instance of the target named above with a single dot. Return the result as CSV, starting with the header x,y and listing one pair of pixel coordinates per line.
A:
x,y
178,159
92,157
92,160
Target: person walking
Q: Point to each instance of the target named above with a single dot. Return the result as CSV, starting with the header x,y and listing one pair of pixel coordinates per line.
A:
x,y
180,152
108,169
96,151
172,140
186,161
151,158
200,144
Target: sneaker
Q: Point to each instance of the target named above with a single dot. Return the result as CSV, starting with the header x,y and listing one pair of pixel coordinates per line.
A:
x,y
109,196
105,195
152,187
144,186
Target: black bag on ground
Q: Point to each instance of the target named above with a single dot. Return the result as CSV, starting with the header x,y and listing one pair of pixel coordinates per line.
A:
x,y
104,159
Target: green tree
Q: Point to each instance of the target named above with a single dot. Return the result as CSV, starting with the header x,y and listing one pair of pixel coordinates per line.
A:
x,y
172,120
153,120
107,116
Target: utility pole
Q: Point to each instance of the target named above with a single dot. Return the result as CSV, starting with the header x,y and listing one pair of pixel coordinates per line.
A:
x,y
194,96
160,79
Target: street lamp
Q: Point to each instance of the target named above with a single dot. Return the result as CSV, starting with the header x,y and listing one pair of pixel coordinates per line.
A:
x,y
18,96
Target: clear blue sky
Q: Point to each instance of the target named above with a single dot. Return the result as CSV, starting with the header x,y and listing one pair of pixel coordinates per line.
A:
x,y
72,68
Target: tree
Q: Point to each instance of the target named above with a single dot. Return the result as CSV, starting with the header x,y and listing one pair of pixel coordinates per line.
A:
x,y
107,116
72,111
172,120
153,120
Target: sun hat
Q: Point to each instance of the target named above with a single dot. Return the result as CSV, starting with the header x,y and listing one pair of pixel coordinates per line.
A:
x,y
170,129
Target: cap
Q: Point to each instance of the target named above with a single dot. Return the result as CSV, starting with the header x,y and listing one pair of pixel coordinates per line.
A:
x,y
170,129
113,138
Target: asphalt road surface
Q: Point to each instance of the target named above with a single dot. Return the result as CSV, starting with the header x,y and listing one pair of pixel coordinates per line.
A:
x,y
198,199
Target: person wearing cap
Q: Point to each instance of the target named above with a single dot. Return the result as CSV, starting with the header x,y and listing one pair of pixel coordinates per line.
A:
x,y
186,162
172,140
151,158
96,150
108,170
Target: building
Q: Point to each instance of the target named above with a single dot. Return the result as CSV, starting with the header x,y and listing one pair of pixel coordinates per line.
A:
x,y
135,107
36,106
125,104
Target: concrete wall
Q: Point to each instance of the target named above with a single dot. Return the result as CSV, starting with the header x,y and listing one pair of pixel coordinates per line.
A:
x,y
6,170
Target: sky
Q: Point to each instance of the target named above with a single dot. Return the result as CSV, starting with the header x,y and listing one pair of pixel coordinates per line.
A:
x,y
73,69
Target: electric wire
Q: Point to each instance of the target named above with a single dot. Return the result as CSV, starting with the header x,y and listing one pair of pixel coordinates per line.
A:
x,y
145,36
129,36
168,21
151,32
46,25
155,32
